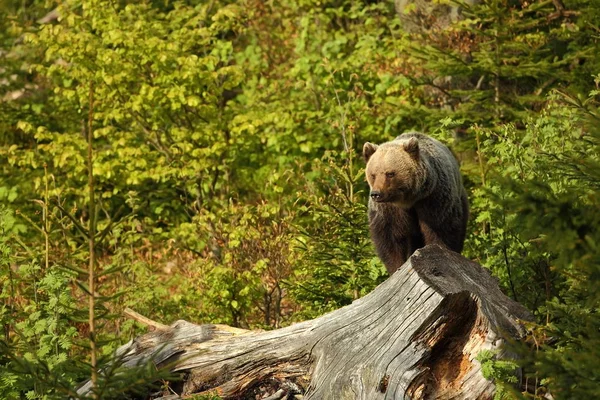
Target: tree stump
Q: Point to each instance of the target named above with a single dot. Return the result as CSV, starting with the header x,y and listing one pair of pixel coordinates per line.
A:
x,y
415,336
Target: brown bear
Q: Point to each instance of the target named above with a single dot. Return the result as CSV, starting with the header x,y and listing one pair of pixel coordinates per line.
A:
x,y
417,197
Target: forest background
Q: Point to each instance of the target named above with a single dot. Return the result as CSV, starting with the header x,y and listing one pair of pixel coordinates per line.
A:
x,y
228,185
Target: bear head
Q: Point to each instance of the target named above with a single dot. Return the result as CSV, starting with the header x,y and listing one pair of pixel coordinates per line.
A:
x,y
395,171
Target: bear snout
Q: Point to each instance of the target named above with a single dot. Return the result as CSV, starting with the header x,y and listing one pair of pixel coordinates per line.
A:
x,y
379,196
375,195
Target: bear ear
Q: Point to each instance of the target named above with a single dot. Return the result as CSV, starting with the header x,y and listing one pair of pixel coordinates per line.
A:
x,y
412,146
368,150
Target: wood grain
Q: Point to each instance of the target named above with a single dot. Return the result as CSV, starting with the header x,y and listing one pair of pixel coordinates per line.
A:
x,y
415,336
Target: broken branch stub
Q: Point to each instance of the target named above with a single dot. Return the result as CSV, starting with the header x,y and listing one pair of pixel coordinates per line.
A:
x,y
415,336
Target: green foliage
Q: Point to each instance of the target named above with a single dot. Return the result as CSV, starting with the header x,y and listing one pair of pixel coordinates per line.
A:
x,y
205,397
247,255
36,314
547,170
564,215
502,372
337,73
498,63
338,263
160,121
538,219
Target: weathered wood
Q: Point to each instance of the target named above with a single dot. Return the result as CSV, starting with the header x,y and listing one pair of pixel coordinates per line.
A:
x,y
415,336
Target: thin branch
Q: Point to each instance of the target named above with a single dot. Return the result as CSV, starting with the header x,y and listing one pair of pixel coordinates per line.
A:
x,y
80,228
129,313
92,244
106,230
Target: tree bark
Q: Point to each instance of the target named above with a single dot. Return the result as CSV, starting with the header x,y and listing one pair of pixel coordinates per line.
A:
x,y
415,336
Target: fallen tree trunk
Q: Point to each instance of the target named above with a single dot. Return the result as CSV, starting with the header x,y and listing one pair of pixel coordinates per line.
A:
x,y
415,336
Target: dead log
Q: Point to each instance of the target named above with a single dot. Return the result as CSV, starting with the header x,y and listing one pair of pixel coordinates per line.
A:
x,y
415,336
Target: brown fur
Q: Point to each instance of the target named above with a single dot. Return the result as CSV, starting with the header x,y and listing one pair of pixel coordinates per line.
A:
x,y
417,197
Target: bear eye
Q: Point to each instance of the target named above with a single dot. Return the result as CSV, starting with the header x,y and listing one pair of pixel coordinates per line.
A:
x,y
390,174
373,176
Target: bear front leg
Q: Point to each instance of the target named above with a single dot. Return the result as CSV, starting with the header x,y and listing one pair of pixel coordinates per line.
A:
x,y
393,255
395,234
430,234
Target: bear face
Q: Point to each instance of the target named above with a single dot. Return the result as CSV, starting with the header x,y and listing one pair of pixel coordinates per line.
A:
x,y
394,172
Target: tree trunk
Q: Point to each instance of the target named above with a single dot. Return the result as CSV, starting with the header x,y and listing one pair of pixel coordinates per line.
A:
x,y
415,336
